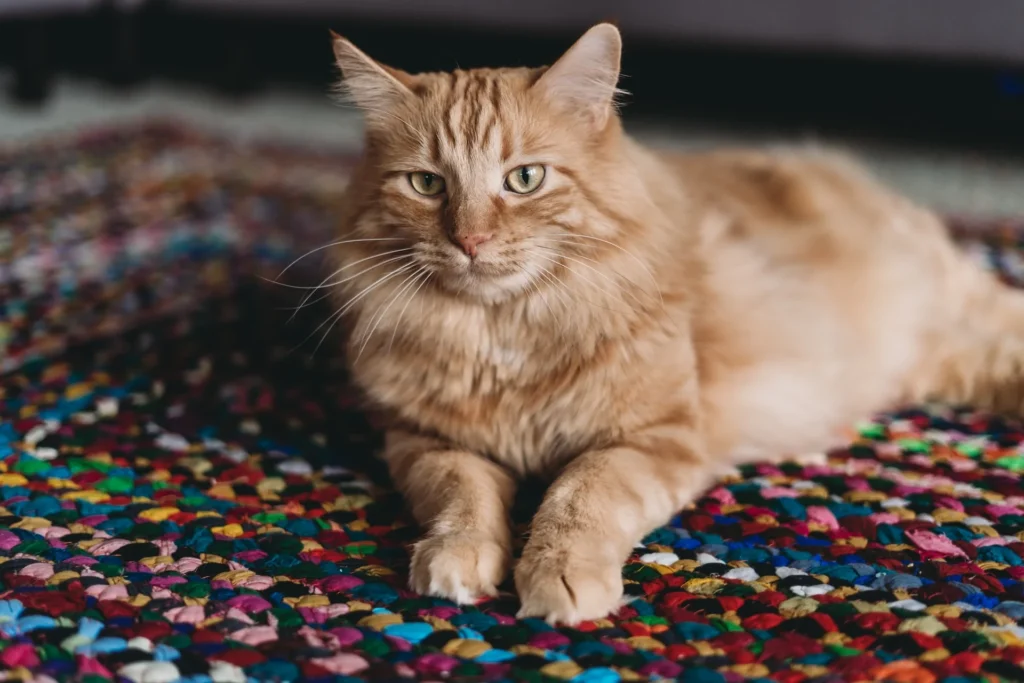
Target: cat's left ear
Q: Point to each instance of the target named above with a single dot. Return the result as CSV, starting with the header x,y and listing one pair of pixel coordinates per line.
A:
x,y
372,86
584,79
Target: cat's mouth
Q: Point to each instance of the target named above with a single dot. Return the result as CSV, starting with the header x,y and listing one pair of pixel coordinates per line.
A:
x,y
490,277
486,281
483,267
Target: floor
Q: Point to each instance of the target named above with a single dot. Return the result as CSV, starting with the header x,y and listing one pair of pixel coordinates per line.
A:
x,y
948,180
183,499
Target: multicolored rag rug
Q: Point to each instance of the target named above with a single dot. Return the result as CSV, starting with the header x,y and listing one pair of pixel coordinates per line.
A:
x,y
183,496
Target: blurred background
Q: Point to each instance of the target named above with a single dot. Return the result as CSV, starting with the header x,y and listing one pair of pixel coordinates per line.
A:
x,y
929,92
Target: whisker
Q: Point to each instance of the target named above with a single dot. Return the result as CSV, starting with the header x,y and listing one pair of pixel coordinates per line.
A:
x,y
341,313
403,286
561,290
323,284
535,291
625,251
585,279
610,281
603,290
408,301
335,244
306,299
549,277
377,283
337,315
337,272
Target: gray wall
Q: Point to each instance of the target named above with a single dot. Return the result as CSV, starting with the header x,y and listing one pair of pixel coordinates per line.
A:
x,y
989,30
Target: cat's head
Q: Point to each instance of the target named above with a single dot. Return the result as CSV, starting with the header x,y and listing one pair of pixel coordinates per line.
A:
x,y
490,176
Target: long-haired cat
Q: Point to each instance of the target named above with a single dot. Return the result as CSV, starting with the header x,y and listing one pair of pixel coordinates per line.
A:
x,y
533,292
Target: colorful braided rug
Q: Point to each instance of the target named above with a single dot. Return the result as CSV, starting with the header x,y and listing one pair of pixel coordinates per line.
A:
x,y
186,497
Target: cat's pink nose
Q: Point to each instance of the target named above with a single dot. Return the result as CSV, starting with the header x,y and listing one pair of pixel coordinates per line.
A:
x,y
469,243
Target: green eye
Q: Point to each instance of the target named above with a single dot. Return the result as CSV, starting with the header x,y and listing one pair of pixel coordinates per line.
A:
x,y
525,179
426,184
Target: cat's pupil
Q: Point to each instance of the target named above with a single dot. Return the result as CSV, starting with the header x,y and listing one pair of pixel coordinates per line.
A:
x,y
524,174
428,179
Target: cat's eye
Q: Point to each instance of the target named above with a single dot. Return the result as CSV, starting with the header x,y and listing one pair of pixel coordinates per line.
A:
x,y
426,184
525,179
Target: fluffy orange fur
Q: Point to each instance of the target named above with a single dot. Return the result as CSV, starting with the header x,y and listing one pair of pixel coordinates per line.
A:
x,y
631,325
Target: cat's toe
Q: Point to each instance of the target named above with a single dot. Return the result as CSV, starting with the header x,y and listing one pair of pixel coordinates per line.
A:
x,y
461,567
564,589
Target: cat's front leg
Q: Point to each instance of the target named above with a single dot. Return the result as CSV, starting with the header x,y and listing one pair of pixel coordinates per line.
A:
x,y
462,501
593,515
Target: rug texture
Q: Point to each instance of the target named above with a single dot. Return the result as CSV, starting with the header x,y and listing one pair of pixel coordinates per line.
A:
x,y
184,496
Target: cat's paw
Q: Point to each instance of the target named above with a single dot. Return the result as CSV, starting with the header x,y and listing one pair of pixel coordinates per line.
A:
x,y
462,567
565,589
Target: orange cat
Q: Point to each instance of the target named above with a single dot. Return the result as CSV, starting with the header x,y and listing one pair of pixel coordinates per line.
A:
x,y
532,292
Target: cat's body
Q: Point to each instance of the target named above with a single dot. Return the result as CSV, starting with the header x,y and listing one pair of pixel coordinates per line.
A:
x,y
637,324
767,312
821,294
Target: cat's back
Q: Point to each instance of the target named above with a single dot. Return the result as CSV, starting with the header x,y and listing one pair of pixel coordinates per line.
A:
x,y
765,215
808,258
794,194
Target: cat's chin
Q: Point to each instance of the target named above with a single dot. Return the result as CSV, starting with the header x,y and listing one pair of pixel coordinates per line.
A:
x,y
489,289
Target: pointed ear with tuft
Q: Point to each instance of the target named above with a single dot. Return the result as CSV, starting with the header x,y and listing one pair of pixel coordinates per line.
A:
x,y
584,78
373,87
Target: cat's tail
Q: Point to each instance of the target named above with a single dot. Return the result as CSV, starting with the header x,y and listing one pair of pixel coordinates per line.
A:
x,y
976,357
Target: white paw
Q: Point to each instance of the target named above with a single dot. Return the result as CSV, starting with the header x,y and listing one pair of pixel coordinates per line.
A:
x,y
462,567
563,589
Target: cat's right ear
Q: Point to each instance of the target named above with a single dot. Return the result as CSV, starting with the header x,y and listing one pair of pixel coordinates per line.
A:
x,y
373,87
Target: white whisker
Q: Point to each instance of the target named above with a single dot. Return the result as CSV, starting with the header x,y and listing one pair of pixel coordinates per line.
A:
x,y
541,294
582,277
408,301
337,272
625,251
608,279
403,286
335,244
604,290
337,315
549,277
324,284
